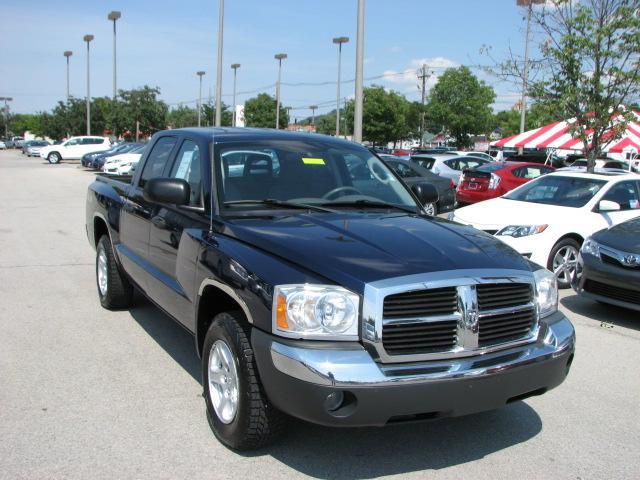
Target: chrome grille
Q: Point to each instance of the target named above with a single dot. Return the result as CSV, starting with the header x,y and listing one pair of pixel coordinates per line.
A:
x,y
464,317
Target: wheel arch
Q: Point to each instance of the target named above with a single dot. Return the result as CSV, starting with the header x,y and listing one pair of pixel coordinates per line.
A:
x,y
99,228
572,235
214,298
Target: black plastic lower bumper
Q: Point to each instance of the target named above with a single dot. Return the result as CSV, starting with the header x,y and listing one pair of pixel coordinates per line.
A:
x,y
366,402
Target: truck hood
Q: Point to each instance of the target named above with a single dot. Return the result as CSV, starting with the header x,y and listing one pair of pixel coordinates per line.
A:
x,y
352,249
500,212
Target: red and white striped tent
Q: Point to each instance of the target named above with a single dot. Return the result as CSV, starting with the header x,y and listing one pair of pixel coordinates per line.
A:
x,y
556,135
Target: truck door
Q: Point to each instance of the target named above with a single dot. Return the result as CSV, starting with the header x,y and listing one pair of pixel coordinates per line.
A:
x,y
136,214
174,288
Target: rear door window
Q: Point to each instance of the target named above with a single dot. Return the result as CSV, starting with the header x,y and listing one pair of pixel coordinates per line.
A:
x,y
157,159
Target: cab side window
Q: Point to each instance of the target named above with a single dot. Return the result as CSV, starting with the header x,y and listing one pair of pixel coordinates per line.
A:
x,y
157,159
624,194
187,167
405,171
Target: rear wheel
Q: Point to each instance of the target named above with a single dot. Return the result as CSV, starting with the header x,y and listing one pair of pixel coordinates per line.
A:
x,y
114,290
238,410
563,261
54,157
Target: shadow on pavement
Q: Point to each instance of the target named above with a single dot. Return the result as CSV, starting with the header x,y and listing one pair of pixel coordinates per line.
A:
x,y
617,316
364,453
174,339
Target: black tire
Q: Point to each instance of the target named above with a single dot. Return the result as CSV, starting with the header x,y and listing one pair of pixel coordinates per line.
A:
x,y
562,244
54,157
256,422
119,291
427,207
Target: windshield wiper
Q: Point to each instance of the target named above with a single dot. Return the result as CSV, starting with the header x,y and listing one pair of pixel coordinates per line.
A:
x,y
272,202
371,204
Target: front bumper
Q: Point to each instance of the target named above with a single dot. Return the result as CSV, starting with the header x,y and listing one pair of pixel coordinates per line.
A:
x,y
298,378
615,285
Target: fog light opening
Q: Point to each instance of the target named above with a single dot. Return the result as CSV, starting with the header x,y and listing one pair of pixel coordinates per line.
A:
x,y
341,403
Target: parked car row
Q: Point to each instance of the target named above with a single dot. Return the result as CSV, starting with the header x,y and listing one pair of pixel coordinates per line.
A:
x,y
96,159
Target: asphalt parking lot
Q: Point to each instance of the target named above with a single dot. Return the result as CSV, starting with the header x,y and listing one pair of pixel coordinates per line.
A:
x,y
87,393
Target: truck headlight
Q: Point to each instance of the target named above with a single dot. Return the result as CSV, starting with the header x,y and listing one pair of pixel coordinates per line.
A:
x,y
590,247
518,231
320,312
546,292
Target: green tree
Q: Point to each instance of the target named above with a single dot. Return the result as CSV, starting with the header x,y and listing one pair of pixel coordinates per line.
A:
x,y
508,121
209,113
384,116
590,67
139,105
260,111
23,122
182,117
461,104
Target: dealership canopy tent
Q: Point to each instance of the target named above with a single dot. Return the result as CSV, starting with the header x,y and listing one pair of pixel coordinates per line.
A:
x,y
556,135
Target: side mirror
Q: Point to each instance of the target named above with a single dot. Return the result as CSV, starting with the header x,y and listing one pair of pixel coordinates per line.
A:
x,y
608,206
425,192
167,190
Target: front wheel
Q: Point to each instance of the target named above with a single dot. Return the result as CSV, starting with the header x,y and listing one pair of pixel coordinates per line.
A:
x,y
431,209
238,410
563,261
54,157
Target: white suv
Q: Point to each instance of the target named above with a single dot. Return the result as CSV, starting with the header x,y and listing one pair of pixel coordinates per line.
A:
x,y
75,148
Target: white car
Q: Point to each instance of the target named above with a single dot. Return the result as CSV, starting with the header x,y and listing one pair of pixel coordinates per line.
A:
x,y
548,218
3,146
75,148
448,166
121,164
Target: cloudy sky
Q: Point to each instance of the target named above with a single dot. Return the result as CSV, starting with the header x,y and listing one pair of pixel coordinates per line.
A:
x,y
164,42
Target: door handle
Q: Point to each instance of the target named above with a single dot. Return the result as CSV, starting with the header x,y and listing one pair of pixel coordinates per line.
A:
x,y
159,222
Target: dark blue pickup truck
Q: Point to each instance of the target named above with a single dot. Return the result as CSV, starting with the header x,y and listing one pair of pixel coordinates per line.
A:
x,y
316,286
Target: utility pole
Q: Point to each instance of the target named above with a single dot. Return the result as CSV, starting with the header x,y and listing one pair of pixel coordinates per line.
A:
x,y
114,15
6,101
279,57
423,76
67,54
235,67
313,115
359,101
219,66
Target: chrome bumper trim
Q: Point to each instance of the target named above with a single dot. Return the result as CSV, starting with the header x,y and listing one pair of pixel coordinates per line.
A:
x,y
355,367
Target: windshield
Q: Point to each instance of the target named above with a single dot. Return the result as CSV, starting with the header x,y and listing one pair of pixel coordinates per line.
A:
x,y
490,167
313,172
558,190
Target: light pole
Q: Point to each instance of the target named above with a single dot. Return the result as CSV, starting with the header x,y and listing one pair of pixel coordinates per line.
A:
x,y
525,73
313,115
339,41
357,114
88,39
114,15
6,101
279,57
219,66
67,54
200,74
235,67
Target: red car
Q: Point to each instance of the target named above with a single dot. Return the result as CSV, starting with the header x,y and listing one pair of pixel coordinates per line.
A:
x,y
495,179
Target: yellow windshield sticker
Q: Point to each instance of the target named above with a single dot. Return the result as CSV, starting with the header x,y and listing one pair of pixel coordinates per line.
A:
x,y
313,161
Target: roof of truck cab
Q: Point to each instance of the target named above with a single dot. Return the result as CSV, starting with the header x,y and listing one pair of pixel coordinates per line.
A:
x,y
234,134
